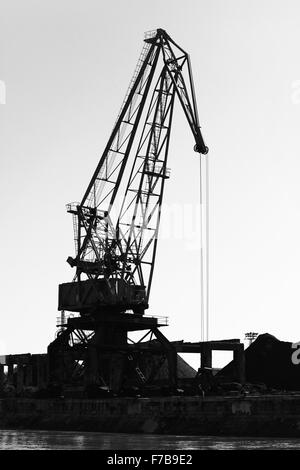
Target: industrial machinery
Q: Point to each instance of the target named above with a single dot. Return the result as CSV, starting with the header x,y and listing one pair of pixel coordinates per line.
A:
x,y
116,228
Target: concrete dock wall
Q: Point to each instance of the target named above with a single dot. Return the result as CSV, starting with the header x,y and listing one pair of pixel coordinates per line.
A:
x,y
249,416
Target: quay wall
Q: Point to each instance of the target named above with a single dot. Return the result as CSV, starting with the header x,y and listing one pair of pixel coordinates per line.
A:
x,y
268,415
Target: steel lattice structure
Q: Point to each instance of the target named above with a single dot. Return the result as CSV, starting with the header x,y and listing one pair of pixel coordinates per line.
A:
x,y
116,231
118,241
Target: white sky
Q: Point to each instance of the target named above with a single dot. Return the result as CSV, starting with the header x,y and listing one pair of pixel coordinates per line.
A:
x,y
66,66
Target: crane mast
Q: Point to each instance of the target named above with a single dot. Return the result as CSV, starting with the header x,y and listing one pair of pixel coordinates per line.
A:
x,y
116,230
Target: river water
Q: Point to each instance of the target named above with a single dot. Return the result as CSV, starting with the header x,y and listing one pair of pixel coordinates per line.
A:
x,y
61,440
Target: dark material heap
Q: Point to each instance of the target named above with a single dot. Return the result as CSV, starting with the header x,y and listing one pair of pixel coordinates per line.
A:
x,y
269,361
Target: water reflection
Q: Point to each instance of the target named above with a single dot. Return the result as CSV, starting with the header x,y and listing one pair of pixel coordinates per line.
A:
x,y
56,440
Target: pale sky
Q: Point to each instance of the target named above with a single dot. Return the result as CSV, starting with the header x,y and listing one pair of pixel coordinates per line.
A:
x,y
66,66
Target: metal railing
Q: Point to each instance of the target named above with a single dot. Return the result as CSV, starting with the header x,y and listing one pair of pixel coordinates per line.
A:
x,y
62,320
157,169
150,34
162,320
72,206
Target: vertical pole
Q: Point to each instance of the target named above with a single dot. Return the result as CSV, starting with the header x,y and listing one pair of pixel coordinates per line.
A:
x,y
201,256
239,361
28,375
1,377
20,377
39,371
172,366
206,356
10,374
207,247
92,365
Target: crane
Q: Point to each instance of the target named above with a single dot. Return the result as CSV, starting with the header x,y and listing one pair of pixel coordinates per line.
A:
x,y
116,227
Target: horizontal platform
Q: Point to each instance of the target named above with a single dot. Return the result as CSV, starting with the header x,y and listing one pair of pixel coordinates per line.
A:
x,y
128,321
22,359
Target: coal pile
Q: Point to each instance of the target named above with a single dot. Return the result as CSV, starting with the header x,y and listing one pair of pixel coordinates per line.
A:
x,y
269,361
